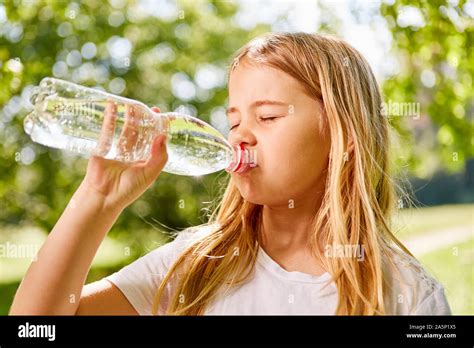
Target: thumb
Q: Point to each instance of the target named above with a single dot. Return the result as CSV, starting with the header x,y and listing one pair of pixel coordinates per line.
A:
x,y
155,109
158,157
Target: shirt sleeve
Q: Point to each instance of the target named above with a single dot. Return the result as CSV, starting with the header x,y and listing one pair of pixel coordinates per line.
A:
x,y
434,304
139,281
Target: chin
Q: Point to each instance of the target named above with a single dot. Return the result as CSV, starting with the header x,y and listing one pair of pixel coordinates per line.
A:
x,y
250,193
251,197
256,196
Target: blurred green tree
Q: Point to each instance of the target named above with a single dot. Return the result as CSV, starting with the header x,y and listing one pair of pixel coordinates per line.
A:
x,y
170,54
433,43
175,54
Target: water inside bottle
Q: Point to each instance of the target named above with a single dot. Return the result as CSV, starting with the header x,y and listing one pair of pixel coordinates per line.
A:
x,y
193,146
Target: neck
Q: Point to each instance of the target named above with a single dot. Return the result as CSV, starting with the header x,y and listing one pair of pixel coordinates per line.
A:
x,y
289,226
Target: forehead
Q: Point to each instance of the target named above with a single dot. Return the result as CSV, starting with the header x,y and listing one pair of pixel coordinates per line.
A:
x,y
252,80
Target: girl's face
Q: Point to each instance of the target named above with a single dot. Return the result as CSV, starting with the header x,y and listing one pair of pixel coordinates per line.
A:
x,y
270,112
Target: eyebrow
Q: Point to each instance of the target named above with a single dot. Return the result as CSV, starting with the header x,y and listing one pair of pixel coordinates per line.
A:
x,y
257,104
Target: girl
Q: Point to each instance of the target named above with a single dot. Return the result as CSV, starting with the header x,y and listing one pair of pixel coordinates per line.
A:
x,y
307,231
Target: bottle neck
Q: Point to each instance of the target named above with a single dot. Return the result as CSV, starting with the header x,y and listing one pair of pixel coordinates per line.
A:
x,y
243,159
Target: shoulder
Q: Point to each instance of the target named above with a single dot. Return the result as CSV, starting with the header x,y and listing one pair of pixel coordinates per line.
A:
x,y
139,280
412,289
194,233
181,241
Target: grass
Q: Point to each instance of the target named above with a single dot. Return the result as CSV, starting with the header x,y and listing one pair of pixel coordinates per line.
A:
x,y
111,256
453,268
414,222
20,246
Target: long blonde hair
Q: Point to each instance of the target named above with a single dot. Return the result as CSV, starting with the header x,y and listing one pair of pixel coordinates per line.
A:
x,y
359,192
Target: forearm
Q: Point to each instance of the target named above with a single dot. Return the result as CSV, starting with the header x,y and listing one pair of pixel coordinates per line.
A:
x,y
54,282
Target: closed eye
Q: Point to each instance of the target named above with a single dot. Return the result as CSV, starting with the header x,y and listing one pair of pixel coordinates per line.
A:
x,y
264,119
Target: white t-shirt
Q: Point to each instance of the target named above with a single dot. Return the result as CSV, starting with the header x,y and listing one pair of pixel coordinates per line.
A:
x,y
272,290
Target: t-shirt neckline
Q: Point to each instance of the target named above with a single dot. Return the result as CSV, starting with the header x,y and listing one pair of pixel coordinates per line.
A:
x,y
271,265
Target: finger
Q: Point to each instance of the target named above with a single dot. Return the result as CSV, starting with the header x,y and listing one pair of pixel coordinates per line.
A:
x,y
129,135
145,140
107,131
158,158
165,121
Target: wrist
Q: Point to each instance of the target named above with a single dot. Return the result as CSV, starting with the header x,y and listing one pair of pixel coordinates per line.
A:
x,y
99,200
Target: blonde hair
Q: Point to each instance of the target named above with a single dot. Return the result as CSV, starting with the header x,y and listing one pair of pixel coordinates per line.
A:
x,y
359,193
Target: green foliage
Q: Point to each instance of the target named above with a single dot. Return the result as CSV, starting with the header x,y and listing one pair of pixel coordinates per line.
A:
x,y
43,38
434,49
138,51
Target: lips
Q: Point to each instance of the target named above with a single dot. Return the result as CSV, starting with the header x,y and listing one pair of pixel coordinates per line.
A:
x,y
245,170
243,160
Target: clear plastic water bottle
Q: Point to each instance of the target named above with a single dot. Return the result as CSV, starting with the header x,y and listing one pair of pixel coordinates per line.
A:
x,y
91,122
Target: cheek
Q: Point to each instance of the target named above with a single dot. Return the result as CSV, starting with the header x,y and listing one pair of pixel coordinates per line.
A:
x,y
291,162
297,159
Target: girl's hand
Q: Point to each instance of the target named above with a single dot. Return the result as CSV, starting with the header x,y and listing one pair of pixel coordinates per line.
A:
x,y
119,183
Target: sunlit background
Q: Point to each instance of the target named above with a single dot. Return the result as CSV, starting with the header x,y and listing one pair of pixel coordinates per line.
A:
x,y
175,55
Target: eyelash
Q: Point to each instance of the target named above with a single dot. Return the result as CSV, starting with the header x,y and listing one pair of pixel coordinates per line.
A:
x,y
261,118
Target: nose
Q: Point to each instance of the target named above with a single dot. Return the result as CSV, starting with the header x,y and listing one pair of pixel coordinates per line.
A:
x,y
244,137
243,134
